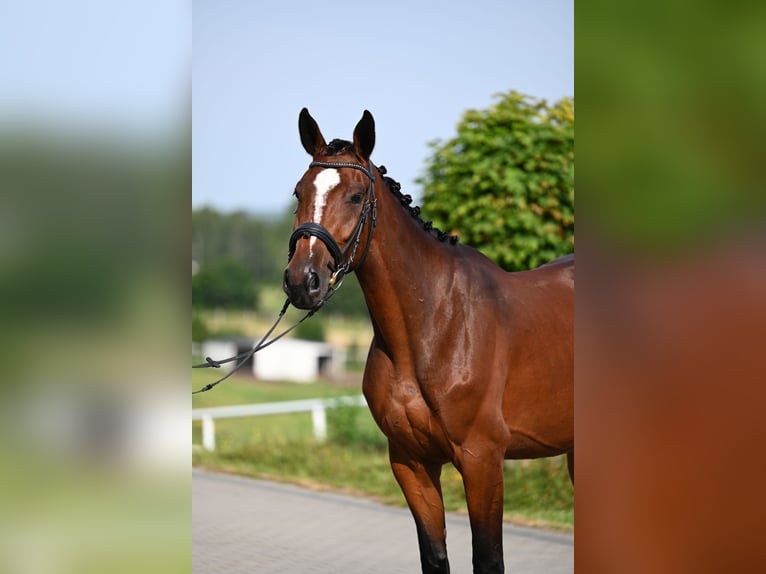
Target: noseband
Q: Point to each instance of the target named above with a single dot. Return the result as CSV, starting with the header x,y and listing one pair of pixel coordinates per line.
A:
x,y
341,265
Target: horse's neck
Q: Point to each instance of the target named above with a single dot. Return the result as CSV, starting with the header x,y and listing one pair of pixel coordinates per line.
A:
x,y
395,279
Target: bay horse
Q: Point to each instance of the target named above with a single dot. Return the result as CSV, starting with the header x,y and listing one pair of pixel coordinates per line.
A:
x,y
469,364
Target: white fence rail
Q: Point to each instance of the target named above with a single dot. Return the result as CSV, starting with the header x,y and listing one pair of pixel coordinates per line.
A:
x,y
317,408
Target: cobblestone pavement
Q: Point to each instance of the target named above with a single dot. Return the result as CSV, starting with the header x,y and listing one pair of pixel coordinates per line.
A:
x,y
242,525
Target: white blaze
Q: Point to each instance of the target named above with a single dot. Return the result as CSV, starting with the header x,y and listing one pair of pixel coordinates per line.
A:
x,y
324,183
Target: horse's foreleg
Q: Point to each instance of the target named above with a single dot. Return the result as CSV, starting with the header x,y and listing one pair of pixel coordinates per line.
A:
x,y
422,488
483,481
570,465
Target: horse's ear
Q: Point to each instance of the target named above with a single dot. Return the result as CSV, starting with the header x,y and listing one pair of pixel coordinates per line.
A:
x,y
311,137
364,135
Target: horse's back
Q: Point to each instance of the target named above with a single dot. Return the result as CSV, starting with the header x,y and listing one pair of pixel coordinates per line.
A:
x,y
563,266
544,293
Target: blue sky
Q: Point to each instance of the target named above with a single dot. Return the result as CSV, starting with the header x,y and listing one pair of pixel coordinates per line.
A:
x,y
80,65
415,65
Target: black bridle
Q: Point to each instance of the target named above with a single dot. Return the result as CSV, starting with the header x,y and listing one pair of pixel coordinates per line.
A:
x,y
341,266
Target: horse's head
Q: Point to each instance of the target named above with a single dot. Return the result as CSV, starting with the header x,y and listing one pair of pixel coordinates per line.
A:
x,y
335,214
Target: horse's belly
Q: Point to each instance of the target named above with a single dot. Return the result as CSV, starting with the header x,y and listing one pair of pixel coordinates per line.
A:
x,y
523,446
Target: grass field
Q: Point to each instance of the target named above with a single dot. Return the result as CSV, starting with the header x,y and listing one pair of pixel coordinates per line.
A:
x,y
341,331
354,458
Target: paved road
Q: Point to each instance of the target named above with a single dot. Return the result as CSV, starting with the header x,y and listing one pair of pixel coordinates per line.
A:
x,y
241,525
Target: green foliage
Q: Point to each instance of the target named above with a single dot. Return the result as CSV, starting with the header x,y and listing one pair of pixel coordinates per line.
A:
x,y
505,182
259,243
531,485
200,332
351,425
349,300
312,329
226,283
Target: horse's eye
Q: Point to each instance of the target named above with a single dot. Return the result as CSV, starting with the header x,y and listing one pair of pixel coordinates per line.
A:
x,y
356,198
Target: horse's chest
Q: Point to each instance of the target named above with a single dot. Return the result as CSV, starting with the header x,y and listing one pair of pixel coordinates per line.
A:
x,y
408,420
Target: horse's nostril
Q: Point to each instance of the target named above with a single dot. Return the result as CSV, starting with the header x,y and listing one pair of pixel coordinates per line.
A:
x,y
313,281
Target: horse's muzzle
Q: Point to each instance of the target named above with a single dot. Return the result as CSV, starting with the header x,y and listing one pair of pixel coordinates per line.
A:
x,y
304,286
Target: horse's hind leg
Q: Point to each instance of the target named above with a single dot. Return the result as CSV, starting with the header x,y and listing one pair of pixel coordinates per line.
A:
x,y
570,465
422,489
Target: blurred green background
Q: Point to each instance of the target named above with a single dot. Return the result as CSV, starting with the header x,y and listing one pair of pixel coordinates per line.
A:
x,y
95,188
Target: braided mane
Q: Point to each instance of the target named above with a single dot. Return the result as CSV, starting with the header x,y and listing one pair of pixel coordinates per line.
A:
x,y
395,188
338,146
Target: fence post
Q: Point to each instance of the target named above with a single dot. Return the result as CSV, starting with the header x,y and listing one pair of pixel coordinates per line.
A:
x,y
319,418
208,432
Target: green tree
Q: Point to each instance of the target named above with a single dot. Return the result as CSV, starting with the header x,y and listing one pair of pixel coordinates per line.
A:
x,y
259,242
226,283
505,182
349,300
200,332
312,329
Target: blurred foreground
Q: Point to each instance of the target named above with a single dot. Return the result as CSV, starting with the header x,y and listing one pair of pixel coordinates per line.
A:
x,y
94,439
94,446
94,209
671,284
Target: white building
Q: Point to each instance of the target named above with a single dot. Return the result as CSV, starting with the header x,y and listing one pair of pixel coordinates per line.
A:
x,y
286,360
